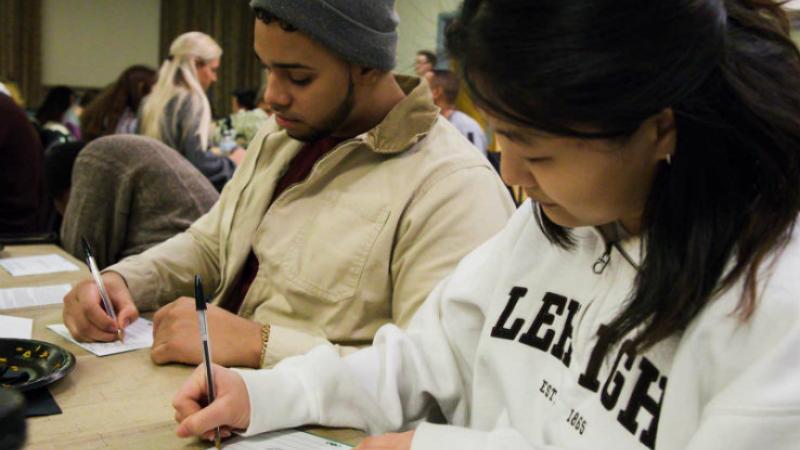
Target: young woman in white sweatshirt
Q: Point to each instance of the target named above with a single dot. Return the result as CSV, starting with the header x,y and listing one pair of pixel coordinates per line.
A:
x,y
648,296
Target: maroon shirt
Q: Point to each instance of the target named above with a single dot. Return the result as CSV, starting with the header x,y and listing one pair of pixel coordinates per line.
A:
x,y
21,188
299,168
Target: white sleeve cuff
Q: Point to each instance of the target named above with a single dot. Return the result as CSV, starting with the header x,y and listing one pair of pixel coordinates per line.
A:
x,y
278,400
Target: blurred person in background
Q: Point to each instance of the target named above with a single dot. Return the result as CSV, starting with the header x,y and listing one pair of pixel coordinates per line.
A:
x,y
177,111
50,116
424,62
21,194
246,118
74,115
125,193
444,88
114,110
243,99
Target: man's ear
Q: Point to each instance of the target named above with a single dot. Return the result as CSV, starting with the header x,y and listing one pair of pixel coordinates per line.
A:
x,y
364,75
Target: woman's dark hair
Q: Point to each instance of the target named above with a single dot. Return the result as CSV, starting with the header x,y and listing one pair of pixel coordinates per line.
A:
x,y
102,115
55,104
731,76
246,98
88,96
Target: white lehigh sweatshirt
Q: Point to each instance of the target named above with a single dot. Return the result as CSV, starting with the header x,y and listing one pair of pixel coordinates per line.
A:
x,y
506,350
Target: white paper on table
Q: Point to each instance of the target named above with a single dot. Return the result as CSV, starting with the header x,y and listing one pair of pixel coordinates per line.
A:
x,y
37,265
24,297
138,335
283,440
15,327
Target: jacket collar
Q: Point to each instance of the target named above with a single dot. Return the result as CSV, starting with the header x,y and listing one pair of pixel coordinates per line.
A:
x,y
408,122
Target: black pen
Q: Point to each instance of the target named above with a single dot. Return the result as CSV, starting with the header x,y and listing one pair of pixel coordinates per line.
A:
x,y
200,305
87,250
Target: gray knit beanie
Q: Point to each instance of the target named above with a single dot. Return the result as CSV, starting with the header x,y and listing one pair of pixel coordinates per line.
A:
x,y
363,32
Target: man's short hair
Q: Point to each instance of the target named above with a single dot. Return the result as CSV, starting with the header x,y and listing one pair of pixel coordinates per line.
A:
x,y
429,55
267,17
449,82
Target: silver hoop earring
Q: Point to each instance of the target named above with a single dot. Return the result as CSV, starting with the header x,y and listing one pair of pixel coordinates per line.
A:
x,y
669,159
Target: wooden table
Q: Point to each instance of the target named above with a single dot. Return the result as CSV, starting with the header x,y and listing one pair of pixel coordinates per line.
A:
x,y
116,401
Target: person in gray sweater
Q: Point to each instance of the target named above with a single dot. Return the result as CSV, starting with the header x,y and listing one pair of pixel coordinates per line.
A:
x,y
127,193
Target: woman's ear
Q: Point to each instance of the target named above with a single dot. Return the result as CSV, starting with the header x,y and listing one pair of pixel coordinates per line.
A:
x,y
664,135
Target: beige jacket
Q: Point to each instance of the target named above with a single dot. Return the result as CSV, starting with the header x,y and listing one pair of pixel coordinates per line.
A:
x,y
361,242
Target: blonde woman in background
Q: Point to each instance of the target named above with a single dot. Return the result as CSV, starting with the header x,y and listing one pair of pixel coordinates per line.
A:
x,y
177,111
11,89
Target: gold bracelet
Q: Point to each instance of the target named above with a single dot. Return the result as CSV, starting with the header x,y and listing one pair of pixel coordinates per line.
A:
x,y
264,340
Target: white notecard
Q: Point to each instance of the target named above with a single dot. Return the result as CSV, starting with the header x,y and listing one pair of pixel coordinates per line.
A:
x,y
283,440
138,335
24,297
15,327
37,265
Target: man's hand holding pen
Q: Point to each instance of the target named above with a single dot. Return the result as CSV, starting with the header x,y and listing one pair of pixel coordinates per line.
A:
x,y
175,331
85,316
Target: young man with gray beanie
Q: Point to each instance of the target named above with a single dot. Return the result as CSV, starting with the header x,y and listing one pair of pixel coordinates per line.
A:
x,y
351,204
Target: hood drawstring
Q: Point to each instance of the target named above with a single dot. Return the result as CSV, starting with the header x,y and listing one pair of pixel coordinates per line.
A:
x,y
600,265
612,242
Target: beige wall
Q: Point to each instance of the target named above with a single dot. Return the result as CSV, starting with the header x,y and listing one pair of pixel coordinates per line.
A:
x,y
794,8
418,27
88,43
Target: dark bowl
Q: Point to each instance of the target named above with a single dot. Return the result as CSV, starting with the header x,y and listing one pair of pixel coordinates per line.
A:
x,y
26,364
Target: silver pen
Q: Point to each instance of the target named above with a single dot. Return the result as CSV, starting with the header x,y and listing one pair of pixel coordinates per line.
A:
x,y
87,249
200,306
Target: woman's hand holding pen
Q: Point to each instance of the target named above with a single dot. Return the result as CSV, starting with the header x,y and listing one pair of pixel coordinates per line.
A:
x,y
85,317
229,411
